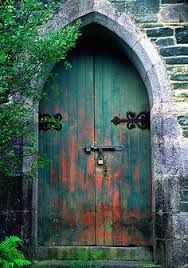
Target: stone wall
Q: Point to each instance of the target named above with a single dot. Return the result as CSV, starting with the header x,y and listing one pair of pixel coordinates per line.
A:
x,y
167,26
165,23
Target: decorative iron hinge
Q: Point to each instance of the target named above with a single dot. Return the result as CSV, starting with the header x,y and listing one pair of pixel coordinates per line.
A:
x,y
47,121
141,120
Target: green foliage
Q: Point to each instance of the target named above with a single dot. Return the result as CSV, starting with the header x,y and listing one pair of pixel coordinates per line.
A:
x,y
151,266
26,51
87,259
10,255
83,264
98,255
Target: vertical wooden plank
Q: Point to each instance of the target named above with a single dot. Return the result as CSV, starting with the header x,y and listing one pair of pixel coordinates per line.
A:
x,y
45,185
119,95
68,182
99,139
86,195
119,89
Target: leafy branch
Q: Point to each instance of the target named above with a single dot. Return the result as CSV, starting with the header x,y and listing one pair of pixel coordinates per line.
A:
x,y
25,56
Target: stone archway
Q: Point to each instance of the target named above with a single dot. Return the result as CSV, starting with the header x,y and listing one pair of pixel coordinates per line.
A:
x,y
165,131
139,48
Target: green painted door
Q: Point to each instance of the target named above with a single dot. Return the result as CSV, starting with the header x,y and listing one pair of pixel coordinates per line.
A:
x,y
81,202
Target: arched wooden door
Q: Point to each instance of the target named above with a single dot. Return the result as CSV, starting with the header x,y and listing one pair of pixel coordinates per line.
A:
x,y
81,200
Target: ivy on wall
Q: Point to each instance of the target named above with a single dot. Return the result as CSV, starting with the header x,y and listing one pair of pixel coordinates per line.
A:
x,y
24,53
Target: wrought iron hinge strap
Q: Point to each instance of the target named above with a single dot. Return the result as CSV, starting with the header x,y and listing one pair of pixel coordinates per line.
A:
x,y
47,121
133,120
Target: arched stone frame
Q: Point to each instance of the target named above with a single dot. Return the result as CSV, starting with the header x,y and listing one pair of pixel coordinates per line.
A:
x,y
165,130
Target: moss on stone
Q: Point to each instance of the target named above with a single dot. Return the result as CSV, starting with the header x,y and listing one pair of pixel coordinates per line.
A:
x,y
93,264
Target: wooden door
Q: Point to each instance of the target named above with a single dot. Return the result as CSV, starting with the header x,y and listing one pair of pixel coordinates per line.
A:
x,y
81,202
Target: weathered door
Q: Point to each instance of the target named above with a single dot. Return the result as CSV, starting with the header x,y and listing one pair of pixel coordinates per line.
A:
x,y
80,201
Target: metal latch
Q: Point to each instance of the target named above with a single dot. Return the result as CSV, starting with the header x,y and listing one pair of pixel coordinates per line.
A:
x,y
100,148
88,148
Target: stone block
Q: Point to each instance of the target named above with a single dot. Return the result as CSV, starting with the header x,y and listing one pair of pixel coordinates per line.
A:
x,y
180,85
166,195
178,69
120,5
171,226
165,129
176,60
106,253
146,53
174,13
184,196
184,206
168,159
161,225
171,1
179,77
179,224
153,74
142,7
159,32
174,51
106,8
184,183
157,78
27,189
181,95
182,35
147,18
184,154
27,164
26,229
171,159
185,133
98,264
163,42
176,252
160,251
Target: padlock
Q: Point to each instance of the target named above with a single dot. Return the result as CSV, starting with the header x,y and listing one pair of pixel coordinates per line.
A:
x,y
100,160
